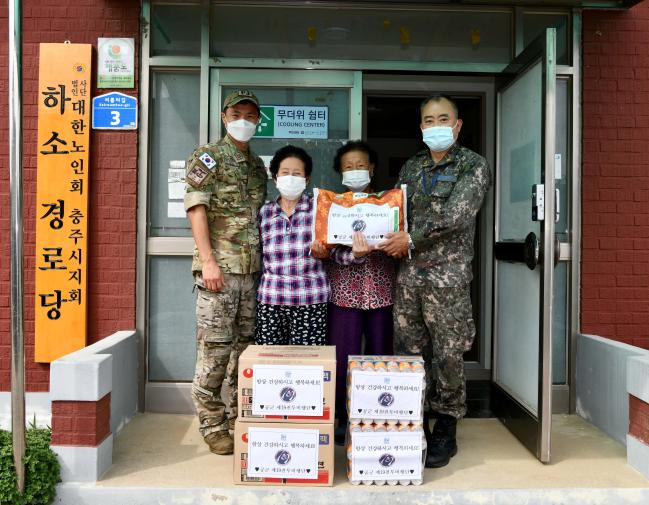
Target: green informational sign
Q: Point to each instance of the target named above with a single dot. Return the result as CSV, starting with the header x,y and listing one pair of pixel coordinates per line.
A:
x,y
266,127
115,63
293,122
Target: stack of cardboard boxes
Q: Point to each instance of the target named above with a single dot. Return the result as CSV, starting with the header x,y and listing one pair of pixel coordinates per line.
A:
x,y
284,431
385,438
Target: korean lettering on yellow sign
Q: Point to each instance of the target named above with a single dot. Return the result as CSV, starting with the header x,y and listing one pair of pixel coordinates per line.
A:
x,y
64,98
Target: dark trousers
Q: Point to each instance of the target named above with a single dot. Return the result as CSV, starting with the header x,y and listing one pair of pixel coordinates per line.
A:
x,y
346,329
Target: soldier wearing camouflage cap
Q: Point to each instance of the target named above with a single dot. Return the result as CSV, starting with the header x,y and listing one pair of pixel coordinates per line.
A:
x,y
226,187
432,311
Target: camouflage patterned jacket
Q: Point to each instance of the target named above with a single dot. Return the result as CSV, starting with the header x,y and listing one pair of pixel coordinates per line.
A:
x,y
443,201
232,185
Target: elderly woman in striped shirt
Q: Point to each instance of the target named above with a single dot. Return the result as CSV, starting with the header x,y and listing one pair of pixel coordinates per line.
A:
x,y
293,290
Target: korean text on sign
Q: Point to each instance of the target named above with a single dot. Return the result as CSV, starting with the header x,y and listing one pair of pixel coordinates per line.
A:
x,y
62,199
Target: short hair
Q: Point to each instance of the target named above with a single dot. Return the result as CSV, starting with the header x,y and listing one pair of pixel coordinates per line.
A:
x,y
438,97
290,151
355,145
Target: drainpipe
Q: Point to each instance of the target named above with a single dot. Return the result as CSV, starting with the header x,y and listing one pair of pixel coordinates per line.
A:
x,y
16,192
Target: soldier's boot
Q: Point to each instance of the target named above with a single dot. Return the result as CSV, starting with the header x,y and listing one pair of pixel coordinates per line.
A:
x,y
220,442
443,445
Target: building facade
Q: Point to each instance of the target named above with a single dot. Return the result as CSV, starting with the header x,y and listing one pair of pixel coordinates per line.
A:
x,y
368,64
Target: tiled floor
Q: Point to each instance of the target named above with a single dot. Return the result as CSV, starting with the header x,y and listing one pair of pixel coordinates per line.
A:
x,y
165,450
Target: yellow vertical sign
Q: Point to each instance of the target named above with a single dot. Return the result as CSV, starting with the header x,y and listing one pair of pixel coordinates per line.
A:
x,y
64,100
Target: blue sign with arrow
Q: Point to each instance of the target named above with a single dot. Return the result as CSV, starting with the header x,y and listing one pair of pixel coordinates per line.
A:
x,y
114,111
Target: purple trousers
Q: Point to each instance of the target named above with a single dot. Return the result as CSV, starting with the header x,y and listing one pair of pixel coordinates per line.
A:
x,y
346,329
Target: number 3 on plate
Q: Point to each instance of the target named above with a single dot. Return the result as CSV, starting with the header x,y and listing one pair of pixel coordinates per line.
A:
x,y
115,115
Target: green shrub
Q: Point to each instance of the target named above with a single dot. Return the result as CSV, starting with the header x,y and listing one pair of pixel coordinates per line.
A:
x,y
42,470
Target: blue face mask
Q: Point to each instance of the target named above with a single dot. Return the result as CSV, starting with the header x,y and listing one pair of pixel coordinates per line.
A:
x,y
438,138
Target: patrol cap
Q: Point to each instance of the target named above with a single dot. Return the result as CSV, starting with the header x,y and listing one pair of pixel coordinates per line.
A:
x,y
240,95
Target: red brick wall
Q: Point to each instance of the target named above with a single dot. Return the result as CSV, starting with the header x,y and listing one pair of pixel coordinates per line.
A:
x,y
639,419
615,241
80,423
113,177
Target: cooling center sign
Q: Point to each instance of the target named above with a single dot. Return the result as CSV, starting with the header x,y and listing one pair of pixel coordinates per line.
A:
x,y
293,122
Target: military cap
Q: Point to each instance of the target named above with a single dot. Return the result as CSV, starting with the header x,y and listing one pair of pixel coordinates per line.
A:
x,y
240,95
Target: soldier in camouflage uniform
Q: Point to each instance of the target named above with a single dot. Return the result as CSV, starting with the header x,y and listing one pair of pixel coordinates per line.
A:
x,y
226,186
432,311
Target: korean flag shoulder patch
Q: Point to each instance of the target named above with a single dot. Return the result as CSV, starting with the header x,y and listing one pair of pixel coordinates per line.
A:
x,y
207,160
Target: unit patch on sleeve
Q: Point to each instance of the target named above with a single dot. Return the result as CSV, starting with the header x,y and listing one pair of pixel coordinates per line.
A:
x,y
197,175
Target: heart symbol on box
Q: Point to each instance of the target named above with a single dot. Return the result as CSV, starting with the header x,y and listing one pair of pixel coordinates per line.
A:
x,y
361,472
308,470
381,236
410,411
412,471
335,236
313,407
257,468
360,410
261,406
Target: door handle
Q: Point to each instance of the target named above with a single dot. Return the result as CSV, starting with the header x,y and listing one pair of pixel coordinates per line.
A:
x,y
516,251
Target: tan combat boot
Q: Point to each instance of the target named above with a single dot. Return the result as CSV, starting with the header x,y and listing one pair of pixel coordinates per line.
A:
x,y
220,442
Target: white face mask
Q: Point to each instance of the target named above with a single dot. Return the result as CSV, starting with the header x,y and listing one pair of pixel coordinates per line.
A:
x,y
290,186
438,138
241,129
356,180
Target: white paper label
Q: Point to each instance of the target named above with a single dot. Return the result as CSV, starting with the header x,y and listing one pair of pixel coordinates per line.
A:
x,y
386,395
557,166
375,221
283,453
287,390
176,209
386,455
176,181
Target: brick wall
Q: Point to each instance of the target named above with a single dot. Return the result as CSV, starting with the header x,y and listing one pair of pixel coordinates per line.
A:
x,y
615,198
80,423
113,177
639,419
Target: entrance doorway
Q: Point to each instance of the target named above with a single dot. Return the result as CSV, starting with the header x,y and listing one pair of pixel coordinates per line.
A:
x,y
392,129
391,125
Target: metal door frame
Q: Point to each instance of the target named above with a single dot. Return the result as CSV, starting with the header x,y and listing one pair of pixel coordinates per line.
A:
x,y
516,417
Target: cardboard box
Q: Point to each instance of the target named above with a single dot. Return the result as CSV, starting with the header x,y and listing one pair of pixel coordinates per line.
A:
x,y
325,454
287,381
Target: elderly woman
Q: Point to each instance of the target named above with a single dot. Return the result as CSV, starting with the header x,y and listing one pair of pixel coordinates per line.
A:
x,y
293,290
362,281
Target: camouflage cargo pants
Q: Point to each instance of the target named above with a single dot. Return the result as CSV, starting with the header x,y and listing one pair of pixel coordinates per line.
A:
x,y
438,324
225,323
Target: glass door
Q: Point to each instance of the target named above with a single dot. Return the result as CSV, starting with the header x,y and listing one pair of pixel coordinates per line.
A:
x,y
315,110
329,105
525,249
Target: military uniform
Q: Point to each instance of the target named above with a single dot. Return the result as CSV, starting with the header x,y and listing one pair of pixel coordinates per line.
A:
x,y
432,312
232,186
